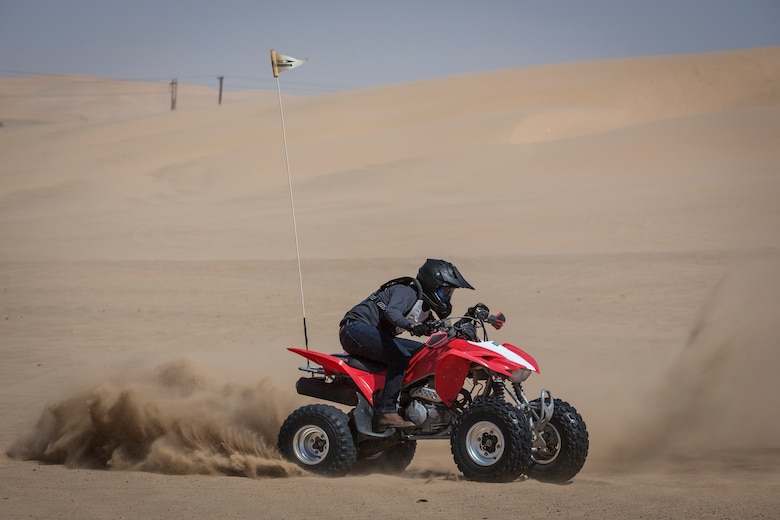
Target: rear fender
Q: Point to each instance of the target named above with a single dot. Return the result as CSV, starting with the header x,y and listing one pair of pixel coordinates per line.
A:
x,y
331,364
365,382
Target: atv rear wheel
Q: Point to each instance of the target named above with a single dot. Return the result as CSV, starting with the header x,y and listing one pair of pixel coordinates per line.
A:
x,y
565,444
491,441
317,438
393,460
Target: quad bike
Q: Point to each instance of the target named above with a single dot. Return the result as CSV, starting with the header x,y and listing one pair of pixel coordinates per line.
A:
x,y
456,387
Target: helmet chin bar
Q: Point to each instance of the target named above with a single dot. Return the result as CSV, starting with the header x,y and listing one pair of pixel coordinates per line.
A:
x,y
442,309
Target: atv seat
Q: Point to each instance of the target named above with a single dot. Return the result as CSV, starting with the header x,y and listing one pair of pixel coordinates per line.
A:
x,y
361,363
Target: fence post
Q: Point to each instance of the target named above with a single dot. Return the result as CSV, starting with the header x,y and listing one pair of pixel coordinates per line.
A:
x,y
174,85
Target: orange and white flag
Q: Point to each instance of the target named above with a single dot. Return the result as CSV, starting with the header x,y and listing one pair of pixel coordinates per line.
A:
x,y
280,62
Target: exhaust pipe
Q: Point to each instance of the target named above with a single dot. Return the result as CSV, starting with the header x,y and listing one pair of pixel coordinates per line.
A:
x,y
321,389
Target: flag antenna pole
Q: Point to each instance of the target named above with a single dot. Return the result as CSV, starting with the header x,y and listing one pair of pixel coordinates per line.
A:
x,y
275,66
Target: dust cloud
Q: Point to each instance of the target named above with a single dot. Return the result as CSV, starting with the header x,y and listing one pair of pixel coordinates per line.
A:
x,y
719,401
174,420
716,403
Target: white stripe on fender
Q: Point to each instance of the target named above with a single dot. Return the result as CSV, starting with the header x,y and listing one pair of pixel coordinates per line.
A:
x,y
501,350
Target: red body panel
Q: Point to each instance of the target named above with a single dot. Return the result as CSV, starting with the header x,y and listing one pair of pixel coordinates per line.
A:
x,y
522,353
365,381
449,364
451,371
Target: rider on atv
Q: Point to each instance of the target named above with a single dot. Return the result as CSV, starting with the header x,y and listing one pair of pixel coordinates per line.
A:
x,y
371,327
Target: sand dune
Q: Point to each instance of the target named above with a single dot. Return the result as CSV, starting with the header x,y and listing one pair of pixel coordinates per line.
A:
x,y
623,214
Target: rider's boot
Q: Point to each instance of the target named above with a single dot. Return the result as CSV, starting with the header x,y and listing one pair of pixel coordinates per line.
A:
x,y
393,420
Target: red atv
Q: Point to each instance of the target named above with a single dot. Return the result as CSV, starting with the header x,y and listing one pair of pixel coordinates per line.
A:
x,y
458,387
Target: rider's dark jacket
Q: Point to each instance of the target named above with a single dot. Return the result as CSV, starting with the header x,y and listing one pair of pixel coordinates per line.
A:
x,y
386,309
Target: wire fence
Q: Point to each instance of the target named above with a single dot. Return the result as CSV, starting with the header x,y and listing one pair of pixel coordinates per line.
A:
x,y
228,83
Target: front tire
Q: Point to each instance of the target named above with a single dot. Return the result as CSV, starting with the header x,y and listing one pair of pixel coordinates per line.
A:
x,y
317,438
491,441
564,450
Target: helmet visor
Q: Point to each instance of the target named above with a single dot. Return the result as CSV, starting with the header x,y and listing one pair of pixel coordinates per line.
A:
x,y
445,293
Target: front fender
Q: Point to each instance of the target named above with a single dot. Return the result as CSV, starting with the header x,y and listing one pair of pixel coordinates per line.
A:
x,y
451,371
453,367
496,363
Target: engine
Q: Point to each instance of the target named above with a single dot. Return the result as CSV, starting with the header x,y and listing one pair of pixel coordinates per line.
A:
x,y
425,409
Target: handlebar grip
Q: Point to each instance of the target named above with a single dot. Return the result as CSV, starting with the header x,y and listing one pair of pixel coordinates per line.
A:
x,y
497,321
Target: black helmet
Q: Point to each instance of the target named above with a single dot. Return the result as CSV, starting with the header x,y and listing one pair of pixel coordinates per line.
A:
x,y
435,275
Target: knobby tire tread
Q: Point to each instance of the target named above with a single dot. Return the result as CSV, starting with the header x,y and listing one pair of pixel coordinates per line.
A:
x,y
343,451
574,449
517,434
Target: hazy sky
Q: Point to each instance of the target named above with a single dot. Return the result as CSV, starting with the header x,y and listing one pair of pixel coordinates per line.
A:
x,y
354,44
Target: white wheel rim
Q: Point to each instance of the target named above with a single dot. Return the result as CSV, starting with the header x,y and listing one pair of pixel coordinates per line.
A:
x,y
551,447
485,443
311,445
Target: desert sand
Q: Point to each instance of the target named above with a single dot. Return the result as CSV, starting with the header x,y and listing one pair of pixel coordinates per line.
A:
x,y
624,215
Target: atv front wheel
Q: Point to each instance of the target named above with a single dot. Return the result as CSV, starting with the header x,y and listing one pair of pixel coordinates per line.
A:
x,y
562,448
317,438
491,441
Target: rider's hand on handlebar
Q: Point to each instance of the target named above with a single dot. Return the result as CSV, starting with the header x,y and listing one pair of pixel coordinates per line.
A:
x,y
419,329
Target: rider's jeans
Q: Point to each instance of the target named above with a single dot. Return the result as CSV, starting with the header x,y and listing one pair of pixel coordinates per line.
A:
x,y
364,340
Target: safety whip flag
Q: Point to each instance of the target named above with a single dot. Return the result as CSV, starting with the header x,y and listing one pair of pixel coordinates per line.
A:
x,y
280,62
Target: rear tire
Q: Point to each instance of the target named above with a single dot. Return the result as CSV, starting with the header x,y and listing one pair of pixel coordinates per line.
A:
x,y
491,441
566,445
317,438
391,461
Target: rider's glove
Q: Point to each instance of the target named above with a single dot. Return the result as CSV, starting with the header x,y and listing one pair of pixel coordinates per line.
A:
x,y
480,311
419,329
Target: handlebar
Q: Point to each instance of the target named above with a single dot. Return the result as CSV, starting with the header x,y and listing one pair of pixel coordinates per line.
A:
x,y
465,328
